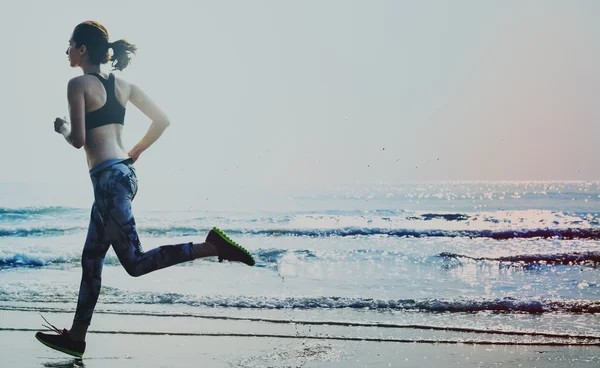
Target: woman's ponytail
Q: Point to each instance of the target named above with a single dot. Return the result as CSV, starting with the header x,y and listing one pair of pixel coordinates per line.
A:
x,y
121,50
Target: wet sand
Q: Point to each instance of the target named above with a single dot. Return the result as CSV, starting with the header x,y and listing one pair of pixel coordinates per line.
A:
x,y
150,341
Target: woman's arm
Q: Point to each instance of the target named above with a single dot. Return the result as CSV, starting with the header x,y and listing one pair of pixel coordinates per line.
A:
x,y
160,121
74,133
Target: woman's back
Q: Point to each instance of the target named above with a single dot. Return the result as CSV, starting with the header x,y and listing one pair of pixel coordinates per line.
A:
x,y
103,138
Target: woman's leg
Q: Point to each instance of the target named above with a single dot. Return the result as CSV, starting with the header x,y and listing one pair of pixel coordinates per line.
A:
x,y
92,260
114,192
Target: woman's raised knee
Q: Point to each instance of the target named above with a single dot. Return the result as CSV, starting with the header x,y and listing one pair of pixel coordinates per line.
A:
x,y
132,270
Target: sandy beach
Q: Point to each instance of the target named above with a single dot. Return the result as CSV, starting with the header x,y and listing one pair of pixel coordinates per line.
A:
x,y
151,341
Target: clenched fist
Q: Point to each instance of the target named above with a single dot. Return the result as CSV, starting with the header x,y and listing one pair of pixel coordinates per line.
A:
x,y
60,125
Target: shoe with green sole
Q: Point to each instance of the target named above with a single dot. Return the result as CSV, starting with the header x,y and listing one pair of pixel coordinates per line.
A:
x,y
227,249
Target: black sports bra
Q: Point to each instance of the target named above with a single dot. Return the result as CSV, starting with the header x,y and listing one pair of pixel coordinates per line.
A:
x,y
112,112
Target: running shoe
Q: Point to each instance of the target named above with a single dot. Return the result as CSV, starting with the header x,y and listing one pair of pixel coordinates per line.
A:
x,y
227,249
61,342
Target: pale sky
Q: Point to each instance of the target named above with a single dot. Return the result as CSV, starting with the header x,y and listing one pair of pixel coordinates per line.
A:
x,y
288,94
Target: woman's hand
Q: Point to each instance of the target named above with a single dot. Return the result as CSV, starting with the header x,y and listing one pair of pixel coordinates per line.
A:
x,y
61,126
135,153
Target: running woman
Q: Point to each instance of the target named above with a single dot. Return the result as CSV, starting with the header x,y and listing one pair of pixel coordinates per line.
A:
x,y
97,104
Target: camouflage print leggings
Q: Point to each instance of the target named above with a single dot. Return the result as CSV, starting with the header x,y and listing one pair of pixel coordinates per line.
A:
x,y
111,222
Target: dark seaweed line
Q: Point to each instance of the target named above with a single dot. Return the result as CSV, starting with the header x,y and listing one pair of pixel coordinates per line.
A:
x,y
321,337
559,258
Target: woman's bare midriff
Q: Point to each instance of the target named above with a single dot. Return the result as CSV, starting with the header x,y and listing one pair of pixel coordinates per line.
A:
x,y
104,143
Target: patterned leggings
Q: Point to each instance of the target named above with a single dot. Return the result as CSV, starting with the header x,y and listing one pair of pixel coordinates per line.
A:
x,y
112,222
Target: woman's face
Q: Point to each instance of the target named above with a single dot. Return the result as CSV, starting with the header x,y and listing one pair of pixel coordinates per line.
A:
x,y
75,53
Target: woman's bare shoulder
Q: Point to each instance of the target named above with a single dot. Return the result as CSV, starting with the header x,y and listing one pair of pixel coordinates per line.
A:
x,y
123,86
78,81
121,80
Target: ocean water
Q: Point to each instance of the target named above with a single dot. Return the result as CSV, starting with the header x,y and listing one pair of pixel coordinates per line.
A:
x,y
504,262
